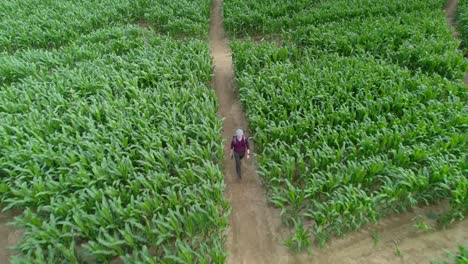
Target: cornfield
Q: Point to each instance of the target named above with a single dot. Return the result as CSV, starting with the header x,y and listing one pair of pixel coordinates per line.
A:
x,y
109,138
55,23
408,33
357,112
110,143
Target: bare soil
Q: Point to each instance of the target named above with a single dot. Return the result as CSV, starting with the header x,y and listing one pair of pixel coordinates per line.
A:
x,y
394,233
9,235
253,225
450,10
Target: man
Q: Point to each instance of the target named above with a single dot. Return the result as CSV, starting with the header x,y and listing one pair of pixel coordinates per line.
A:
x,y
239,145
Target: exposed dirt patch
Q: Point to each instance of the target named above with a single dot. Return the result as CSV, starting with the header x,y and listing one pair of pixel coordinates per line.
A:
x,y
394,233
143,23
266,38
9,235
451,9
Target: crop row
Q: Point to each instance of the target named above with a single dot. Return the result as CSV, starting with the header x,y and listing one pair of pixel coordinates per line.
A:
x,y
243,18
412,34
111,145
55,23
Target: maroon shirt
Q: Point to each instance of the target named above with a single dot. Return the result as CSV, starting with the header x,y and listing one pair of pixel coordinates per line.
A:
x,y
239,146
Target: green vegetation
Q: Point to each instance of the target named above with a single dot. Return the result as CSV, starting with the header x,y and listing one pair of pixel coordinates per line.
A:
x,y
54,23
460,257
358,113
110,142
375,236
462,21
411,34
397,248
421,225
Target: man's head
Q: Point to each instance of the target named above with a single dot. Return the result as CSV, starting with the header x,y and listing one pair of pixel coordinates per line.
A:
x,y
239,133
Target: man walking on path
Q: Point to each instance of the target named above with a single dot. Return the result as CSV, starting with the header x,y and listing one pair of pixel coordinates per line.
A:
x,y
239,145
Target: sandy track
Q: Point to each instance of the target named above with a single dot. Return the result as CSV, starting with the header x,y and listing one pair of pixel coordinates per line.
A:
x,y
253,224
451,9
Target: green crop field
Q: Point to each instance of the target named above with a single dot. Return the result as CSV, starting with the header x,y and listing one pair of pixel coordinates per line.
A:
x,y
109,138
357,108
111,149
54,23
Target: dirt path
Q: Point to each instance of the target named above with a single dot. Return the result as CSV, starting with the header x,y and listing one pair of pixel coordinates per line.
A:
x,y
9,236
451,9
253,225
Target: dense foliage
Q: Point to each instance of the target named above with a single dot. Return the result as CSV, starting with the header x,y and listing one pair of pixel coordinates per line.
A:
x,y
357,112
54,23
412,34
109,138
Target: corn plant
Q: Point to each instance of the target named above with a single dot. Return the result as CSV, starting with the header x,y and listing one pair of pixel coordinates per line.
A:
x,y
375,236
461,256
300,239
420,224
396,245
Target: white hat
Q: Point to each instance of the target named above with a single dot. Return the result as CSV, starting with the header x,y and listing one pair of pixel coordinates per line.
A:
x,y
239,132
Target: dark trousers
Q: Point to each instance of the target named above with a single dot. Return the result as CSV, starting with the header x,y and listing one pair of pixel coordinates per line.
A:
x,y
238,156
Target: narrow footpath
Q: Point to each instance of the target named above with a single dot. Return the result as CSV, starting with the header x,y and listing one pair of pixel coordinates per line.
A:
x,y
9,235
451,11
253,224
